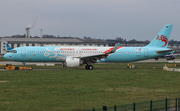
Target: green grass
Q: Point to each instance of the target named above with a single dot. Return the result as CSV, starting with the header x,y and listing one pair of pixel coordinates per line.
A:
x,y
67,89
2,59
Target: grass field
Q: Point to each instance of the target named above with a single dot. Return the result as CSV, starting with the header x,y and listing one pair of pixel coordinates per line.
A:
x,y
76,89
2,59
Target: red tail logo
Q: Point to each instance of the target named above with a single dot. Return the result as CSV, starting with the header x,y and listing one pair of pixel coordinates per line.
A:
x,y
163,39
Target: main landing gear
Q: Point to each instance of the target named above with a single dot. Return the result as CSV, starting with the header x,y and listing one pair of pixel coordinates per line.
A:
x,y
89,67
23,63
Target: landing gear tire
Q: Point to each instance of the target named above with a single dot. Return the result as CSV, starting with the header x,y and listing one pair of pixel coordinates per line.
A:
x,y
16,68
89,67
23,63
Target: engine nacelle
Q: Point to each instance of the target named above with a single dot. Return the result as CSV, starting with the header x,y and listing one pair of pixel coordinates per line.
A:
x,y
173,57
72,62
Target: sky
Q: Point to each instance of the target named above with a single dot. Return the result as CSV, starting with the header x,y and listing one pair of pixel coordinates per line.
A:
x,y
104,19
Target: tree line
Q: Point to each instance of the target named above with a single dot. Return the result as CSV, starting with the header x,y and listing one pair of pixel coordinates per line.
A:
x,y
172,42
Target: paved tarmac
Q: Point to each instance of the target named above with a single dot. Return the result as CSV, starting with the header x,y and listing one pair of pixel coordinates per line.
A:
x,y
159,60
32,63
27,63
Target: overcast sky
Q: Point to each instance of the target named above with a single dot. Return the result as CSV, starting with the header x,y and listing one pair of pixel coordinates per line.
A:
x,y
105,19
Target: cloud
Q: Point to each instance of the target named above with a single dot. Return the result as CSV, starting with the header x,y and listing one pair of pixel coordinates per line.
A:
x,y
129,19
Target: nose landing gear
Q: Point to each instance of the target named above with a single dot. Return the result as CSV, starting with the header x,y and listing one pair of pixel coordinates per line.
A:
x,y
89,67
23,63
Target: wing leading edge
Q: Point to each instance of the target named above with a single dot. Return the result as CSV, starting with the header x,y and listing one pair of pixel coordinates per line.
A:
x,y
94,58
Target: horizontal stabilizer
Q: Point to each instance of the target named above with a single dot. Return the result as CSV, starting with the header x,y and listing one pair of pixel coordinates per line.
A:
x,y
164,51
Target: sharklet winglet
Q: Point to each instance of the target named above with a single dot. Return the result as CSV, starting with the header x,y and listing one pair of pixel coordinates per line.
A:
x,y
115,48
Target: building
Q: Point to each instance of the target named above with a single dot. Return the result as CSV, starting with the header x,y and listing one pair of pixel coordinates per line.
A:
x,y
20,42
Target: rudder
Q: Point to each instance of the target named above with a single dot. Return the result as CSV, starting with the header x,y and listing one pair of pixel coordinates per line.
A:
x,y
162,39
8,47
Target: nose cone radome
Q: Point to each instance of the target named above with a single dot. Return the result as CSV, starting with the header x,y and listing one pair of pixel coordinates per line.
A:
x,y
7,56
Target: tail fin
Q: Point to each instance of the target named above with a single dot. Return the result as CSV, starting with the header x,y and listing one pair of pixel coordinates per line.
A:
x,y
8,47
161,40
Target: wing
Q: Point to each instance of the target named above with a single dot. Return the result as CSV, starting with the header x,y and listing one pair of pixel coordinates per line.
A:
x,y
95,57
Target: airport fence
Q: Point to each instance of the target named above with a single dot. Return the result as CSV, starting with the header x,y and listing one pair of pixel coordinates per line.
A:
x,y
167,104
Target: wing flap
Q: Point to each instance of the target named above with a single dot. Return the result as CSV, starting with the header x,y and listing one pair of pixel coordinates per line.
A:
x,y
93,56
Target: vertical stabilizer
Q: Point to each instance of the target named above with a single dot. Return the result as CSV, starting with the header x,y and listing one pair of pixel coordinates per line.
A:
x,y
8,47
162,39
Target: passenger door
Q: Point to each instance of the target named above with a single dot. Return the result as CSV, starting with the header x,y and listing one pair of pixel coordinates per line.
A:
x,y
23,52
146,52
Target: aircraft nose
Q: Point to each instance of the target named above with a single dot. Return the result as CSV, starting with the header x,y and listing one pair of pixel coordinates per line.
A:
x,y
7,56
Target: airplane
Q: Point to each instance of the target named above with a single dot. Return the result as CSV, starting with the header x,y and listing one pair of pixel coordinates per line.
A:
x,y
169,56
77,56
8,48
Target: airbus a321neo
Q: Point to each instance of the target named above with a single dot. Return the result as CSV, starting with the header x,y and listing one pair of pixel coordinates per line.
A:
x,y
77,56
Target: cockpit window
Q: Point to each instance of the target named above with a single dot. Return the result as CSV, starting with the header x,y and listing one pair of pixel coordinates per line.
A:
x,y
13,51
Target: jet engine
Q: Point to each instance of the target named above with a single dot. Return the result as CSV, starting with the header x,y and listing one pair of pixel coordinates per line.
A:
x,y
72,62
172,57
